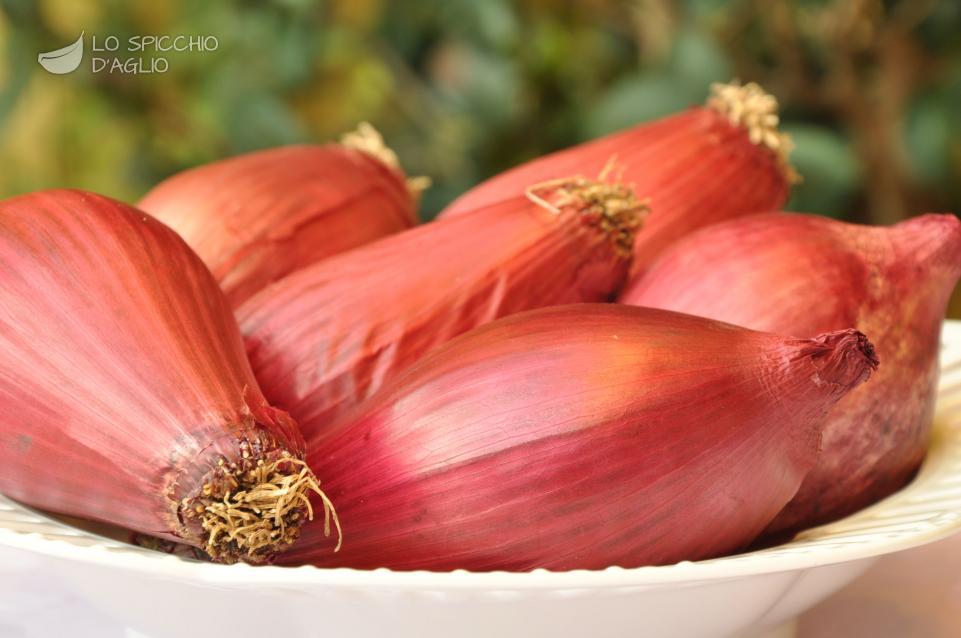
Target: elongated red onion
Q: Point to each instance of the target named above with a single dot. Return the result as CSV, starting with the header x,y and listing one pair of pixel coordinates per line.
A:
x,y
581,437
698,167
327,337
801,275
125,396
257,217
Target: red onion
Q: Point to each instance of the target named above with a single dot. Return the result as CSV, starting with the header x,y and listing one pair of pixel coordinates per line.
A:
x,y
257,217
580,437
801,275
698,167
125,396
327,337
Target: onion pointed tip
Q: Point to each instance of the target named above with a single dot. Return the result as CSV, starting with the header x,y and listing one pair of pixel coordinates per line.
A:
x,y
845,358
933,240
756,111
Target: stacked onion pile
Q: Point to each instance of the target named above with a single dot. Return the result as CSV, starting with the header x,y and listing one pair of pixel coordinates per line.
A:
x,y
270,361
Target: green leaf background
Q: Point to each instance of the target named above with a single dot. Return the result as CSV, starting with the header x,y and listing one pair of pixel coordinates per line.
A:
x,y
464,89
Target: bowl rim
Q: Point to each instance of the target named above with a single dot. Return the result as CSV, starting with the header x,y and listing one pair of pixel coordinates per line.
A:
x,y
850,539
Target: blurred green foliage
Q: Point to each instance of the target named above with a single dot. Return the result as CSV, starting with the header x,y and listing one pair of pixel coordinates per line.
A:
x,y
462,89
870,89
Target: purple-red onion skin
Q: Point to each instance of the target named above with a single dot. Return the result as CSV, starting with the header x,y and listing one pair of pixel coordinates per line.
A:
x,y
526,444
695,167
123,379
256,217
327,337
801,275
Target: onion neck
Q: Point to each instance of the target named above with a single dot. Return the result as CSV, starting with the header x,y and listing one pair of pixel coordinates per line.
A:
x,y
843,358
933,241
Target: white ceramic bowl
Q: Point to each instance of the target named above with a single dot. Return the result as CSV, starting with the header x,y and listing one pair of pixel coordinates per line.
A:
x,y
163,596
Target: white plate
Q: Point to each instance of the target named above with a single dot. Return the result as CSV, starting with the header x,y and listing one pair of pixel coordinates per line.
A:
x,y
164,596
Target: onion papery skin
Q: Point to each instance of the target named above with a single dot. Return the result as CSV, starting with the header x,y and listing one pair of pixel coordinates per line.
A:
x,y
801,274
696,168
580,436
256,217
124,388
327,337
